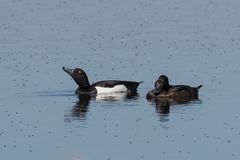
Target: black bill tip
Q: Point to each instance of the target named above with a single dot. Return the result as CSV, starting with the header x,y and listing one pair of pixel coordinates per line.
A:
x,y
69,71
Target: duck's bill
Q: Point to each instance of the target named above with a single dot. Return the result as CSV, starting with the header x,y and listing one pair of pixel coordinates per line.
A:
x,y
156,91
157,85
68,70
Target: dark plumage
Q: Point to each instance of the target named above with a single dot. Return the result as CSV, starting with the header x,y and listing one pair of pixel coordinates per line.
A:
x,y
179,92
84,87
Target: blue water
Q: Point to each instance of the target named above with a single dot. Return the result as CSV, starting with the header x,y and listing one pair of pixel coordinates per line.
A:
x,y
193,42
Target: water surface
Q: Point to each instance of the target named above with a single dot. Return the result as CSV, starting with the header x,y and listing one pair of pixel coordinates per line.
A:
x,y
193,42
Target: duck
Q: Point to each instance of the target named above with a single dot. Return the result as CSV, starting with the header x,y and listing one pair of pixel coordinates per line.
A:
x,y
101,87
163,90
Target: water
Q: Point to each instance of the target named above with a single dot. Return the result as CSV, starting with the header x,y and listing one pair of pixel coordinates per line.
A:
x,y
193,42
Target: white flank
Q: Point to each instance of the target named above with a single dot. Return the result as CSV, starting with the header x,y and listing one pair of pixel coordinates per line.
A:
x,y
111,96
105,90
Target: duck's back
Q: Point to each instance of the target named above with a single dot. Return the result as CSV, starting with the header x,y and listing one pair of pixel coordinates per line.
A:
x,y
183,91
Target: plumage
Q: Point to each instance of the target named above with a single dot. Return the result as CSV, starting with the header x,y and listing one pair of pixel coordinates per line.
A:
x,y
179,92
101,87
113,89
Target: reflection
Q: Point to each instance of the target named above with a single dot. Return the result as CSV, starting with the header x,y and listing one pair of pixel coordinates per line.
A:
x,y
162,108
162,105
55,93
80,109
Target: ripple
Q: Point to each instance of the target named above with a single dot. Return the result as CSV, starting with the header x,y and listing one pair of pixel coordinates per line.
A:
x,y
54,93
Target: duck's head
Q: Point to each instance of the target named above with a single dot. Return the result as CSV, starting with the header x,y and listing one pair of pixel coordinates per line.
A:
x,y
79,76
162,82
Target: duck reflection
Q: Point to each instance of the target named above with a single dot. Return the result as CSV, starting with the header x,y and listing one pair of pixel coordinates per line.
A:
x,y
162,105
81,107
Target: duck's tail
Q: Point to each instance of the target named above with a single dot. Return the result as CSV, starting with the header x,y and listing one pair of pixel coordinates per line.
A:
x,y
140,82
198,87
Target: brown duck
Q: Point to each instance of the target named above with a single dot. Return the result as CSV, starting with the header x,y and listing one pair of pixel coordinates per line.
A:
x,y
179,92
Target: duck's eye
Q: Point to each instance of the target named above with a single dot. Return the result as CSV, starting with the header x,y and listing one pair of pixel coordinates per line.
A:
x,y
79,72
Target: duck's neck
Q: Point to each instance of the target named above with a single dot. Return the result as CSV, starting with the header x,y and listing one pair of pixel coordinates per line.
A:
x,y
165,87
86,90
162,88
84,87
83,84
